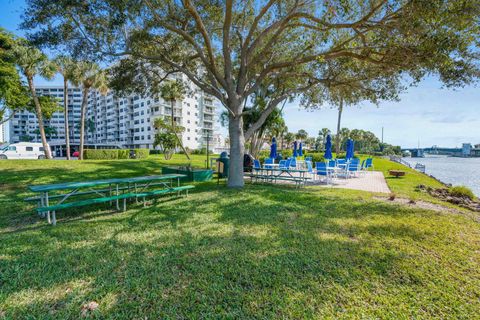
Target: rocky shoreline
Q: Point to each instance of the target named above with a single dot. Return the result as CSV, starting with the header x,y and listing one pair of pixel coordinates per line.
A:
x,y
445,195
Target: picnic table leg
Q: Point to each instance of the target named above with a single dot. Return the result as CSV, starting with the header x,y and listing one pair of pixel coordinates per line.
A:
x,y
54,218
110,193
46,204
124,204
42,204
136,199
118,206
178,185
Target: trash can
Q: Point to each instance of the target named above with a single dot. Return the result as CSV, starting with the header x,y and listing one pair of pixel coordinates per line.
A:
x,y
223,164
248,162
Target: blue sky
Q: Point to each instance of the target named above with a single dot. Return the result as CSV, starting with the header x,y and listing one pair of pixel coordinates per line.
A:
x,y
427,113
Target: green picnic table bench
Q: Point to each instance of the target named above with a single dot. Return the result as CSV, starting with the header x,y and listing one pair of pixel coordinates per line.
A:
x,y
134,187
274,174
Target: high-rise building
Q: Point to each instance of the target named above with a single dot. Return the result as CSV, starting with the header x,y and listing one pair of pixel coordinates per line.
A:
x,y
123,121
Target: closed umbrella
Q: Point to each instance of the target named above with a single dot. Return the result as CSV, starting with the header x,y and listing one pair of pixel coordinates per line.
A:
x,y
300,150
328,148
352,147
295,149
273,149
348,149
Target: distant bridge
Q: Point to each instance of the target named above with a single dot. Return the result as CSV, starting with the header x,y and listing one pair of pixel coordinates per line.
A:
x,y
439,150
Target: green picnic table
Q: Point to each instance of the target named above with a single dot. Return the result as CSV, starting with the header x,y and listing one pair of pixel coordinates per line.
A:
x,y
135,187
276,173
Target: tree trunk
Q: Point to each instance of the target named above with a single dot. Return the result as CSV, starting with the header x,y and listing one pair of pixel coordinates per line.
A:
x,y
237,149
337,138
65,112
38,111
83,110
180,142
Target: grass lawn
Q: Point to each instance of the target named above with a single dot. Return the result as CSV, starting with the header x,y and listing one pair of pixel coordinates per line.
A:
x,y
261,252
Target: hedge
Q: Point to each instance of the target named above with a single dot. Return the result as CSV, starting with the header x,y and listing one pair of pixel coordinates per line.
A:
x,y
113,154
141,153
123,154
316,156
100,154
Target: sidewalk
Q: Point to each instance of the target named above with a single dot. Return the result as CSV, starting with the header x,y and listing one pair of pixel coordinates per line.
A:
x,y
372,181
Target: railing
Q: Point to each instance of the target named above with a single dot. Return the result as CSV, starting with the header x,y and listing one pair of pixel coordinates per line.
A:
x,y
400,160
418,166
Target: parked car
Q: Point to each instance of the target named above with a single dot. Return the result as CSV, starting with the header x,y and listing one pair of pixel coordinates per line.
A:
x,y
23,150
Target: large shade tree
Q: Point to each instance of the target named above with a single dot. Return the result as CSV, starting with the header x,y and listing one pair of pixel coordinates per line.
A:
x,y
32,62
231,48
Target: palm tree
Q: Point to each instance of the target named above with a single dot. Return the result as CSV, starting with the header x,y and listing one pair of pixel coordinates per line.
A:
x,y
289,137
323,133
66,67
89,76
33,62
337,139
172,91
341,137
301,134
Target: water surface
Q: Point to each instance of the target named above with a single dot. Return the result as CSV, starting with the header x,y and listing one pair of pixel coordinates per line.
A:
x,y
457,171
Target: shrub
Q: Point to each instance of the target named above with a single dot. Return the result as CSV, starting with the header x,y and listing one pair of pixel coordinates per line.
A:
x,y
123,154
462,192
201,151
155,151
100,154
287,153
316,157
141,153
263,154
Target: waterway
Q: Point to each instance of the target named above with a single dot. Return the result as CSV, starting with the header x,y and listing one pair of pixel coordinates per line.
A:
x,y
457,171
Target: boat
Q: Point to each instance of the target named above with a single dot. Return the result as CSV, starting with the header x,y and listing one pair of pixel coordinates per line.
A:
x,y
420,167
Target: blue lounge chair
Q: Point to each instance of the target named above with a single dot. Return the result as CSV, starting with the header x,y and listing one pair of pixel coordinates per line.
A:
x,y
256,164
321,170
310,168
267,162
368,163
332,163
293,162
308,159
353,167
282,164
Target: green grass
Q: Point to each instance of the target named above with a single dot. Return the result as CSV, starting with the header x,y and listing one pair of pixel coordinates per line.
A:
x,y
405,186
262,252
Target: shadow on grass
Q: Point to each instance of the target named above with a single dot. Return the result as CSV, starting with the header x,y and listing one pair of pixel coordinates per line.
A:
x,y
263,252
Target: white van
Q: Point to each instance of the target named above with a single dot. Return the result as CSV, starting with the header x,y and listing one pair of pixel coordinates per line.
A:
x,y
22,150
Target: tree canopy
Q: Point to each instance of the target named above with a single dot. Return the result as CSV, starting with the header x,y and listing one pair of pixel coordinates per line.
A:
x,y
232,48
13,93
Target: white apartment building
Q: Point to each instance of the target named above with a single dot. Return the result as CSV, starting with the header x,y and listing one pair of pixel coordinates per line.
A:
x,y
24,124
123,121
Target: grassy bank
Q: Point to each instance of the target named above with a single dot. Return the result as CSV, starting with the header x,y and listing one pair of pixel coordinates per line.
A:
x,y
262,252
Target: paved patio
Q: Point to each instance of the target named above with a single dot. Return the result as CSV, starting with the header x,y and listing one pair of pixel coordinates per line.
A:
x,y
372,181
